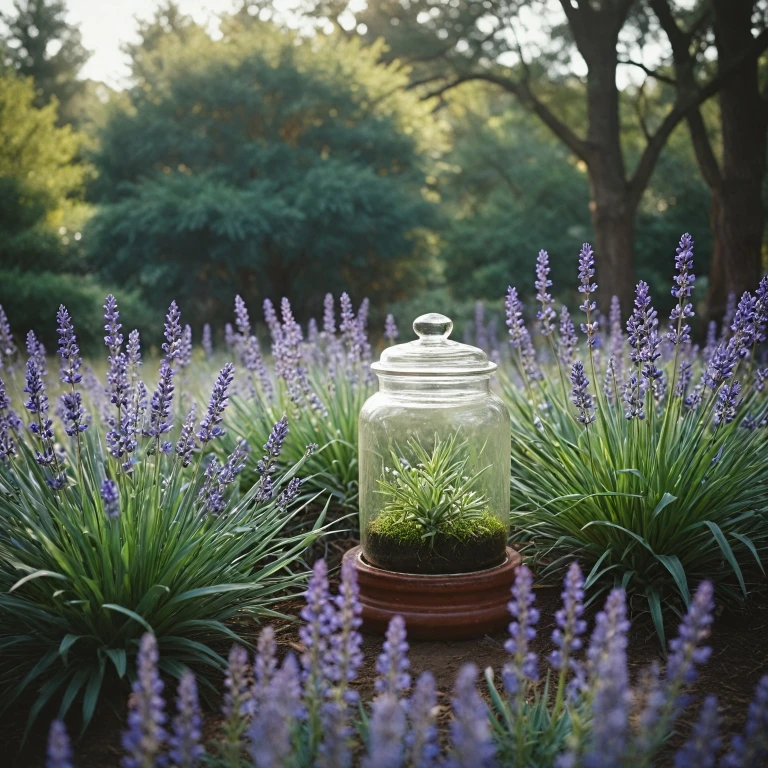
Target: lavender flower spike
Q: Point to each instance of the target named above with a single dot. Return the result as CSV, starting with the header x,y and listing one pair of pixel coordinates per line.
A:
x,y
172,344
385,749
524,666
186,444
547,312
113,339
207,340
264,668
146,717
390,329
587,287
59,750
611,628
727,402
568,339
393,663
209,426
570,625
110,495
515,322
643,338
184,740
750,749
68,349
7,344
7,445
579,395
700,751
237,684
242,320
319,617
160,419
471,741
421,741
686,650
684,280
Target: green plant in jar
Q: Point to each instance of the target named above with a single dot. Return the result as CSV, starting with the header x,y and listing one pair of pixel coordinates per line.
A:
x,y
434,518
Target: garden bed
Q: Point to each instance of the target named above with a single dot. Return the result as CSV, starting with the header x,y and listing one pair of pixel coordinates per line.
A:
x,y
739,659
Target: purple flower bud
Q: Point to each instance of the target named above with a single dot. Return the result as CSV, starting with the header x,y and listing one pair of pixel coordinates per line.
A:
x,y
59,750
319,616
207,340
242,319
700,751
264,668
421,742
684,280
290,493
720,366
610,632
172,344
110,495
524,666
514,312
133,355
7,344
229,335
68,349
642,335
113,339
186,444
579,395
390,329
266,465
209,426
160,417
184,357
587,287
237,684
146,716
393,663
471,741
329,316
750,749
547,313
387,730
570,625
728,401
37,404
744,328
7,444
568,339
686,650
186,750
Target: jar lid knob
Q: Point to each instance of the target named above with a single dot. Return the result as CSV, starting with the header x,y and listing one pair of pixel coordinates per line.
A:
x,y
433,326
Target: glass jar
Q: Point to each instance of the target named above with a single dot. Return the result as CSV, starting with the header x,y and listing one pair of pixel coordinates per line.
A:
x,y
434,458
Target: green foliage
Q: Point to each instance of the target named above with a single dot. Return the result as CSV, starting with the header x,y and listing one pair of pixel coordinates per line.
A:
x,y
254,161
41,44
79,588
434,491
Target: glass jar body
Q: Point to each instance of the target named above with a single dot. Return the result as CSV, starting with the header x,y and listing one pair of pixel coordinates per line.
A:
x,y
451,436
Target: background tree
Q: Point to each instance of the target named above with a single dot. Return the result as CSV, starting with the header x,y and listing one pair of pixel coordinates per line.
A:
x,y
39,43
532,49
250,164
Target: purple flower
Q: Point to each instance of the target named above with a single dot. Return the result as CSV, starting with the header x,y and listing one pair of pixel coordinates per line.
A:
x,y
528,358
329,316
643,338
269,735
184,741
7,344
686,650
471,741
207,340
570,625
524,667
390,329
568,339
110,495
146,717
113,339
579,395
392,664
185,347
684,375
266,465
319,617
209,426
514,312
720,366
74,416
172,343
334,751
59,750
68,349
421,741
264,668
160,417
290,493
684,280
700,751
242,320
186,444
744,327
118,385
547,312
7,444
387,729
611,627
230,337
37,404
237,684
587,287
761,315
133,355
750,749
727,402
36,349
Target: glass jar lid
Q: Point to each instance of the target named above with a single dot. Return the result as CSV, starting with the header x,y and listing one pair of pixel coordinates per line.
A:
x,y
433,353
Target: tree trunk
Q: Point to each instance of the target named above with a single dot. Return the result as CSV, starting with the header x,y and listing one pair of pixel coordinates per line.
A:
x,y
717,294
744,125
613,212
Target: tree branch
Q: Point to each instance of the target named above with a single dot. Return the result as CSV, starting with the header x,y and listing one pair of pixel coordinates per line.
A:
x,y
650,72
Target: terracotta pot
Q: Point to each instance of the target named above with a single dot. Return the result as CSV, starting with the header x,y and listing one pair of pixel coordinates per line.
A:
x,y
451,607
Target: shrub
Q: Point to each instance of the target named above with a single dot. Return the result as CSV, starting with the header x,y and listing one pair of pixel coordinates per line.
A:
x,y
116,530
651,470
305,712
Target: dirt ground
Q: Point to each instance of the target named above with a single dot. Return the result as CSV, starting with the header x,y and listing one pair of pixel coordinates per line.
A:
x,y
739,659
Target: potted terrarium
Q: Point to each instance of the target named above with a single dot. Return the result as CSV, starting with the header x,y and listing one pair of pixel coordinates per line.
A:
x,y
434,489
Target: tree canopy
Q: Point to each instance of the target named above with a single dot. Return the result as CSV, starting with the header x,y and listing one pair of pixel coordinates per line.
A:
x,y
254,164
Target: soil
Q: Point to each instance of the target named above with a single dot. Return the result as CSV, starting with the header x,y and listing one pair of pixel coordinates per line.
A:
x,y
739,659
445,553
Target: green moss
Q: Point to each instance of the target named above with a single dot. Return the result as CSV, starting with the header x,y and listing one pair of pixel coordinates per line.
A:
x,y
410,532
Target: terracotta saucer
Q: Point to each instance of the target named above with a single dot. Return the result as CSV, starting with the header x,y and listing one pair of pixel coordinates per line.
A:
x,y
448,607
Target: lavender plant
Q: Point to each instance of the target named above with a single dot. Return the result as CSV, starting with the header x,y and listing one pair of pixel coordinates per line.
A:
x,y
107,532
585,715
651,469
